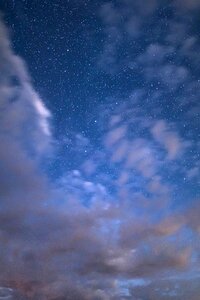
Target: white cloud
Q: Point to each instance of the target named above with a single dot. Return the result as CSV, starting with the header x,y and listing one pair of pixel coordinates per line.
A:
x,y
24,115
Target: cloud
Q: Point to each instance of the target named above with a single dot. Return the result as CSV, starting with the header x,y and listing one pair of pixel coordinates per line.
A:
x,y
156,66
109,14
164,289
126,19
187,4
115,135
194,172
169,139
25,138
155,54
24,129
140,156
23,115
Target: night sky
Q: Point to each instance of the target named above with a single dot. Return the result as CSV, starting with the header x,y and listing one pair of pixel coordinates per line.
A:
x,y
100,149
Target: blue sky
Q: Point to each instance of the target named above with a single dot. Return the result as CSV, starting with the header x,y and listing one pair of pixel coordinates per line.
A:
x,y
100,149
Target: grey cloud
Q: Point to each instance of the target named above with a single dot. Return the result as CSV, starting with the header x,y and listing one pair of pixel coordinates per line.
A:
x,y
141,157
25,137
166,289
132,26
193,172
156,67
122,20
169,139
155,54
24,132
20,102
187,4
109,14
115,135
125,21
